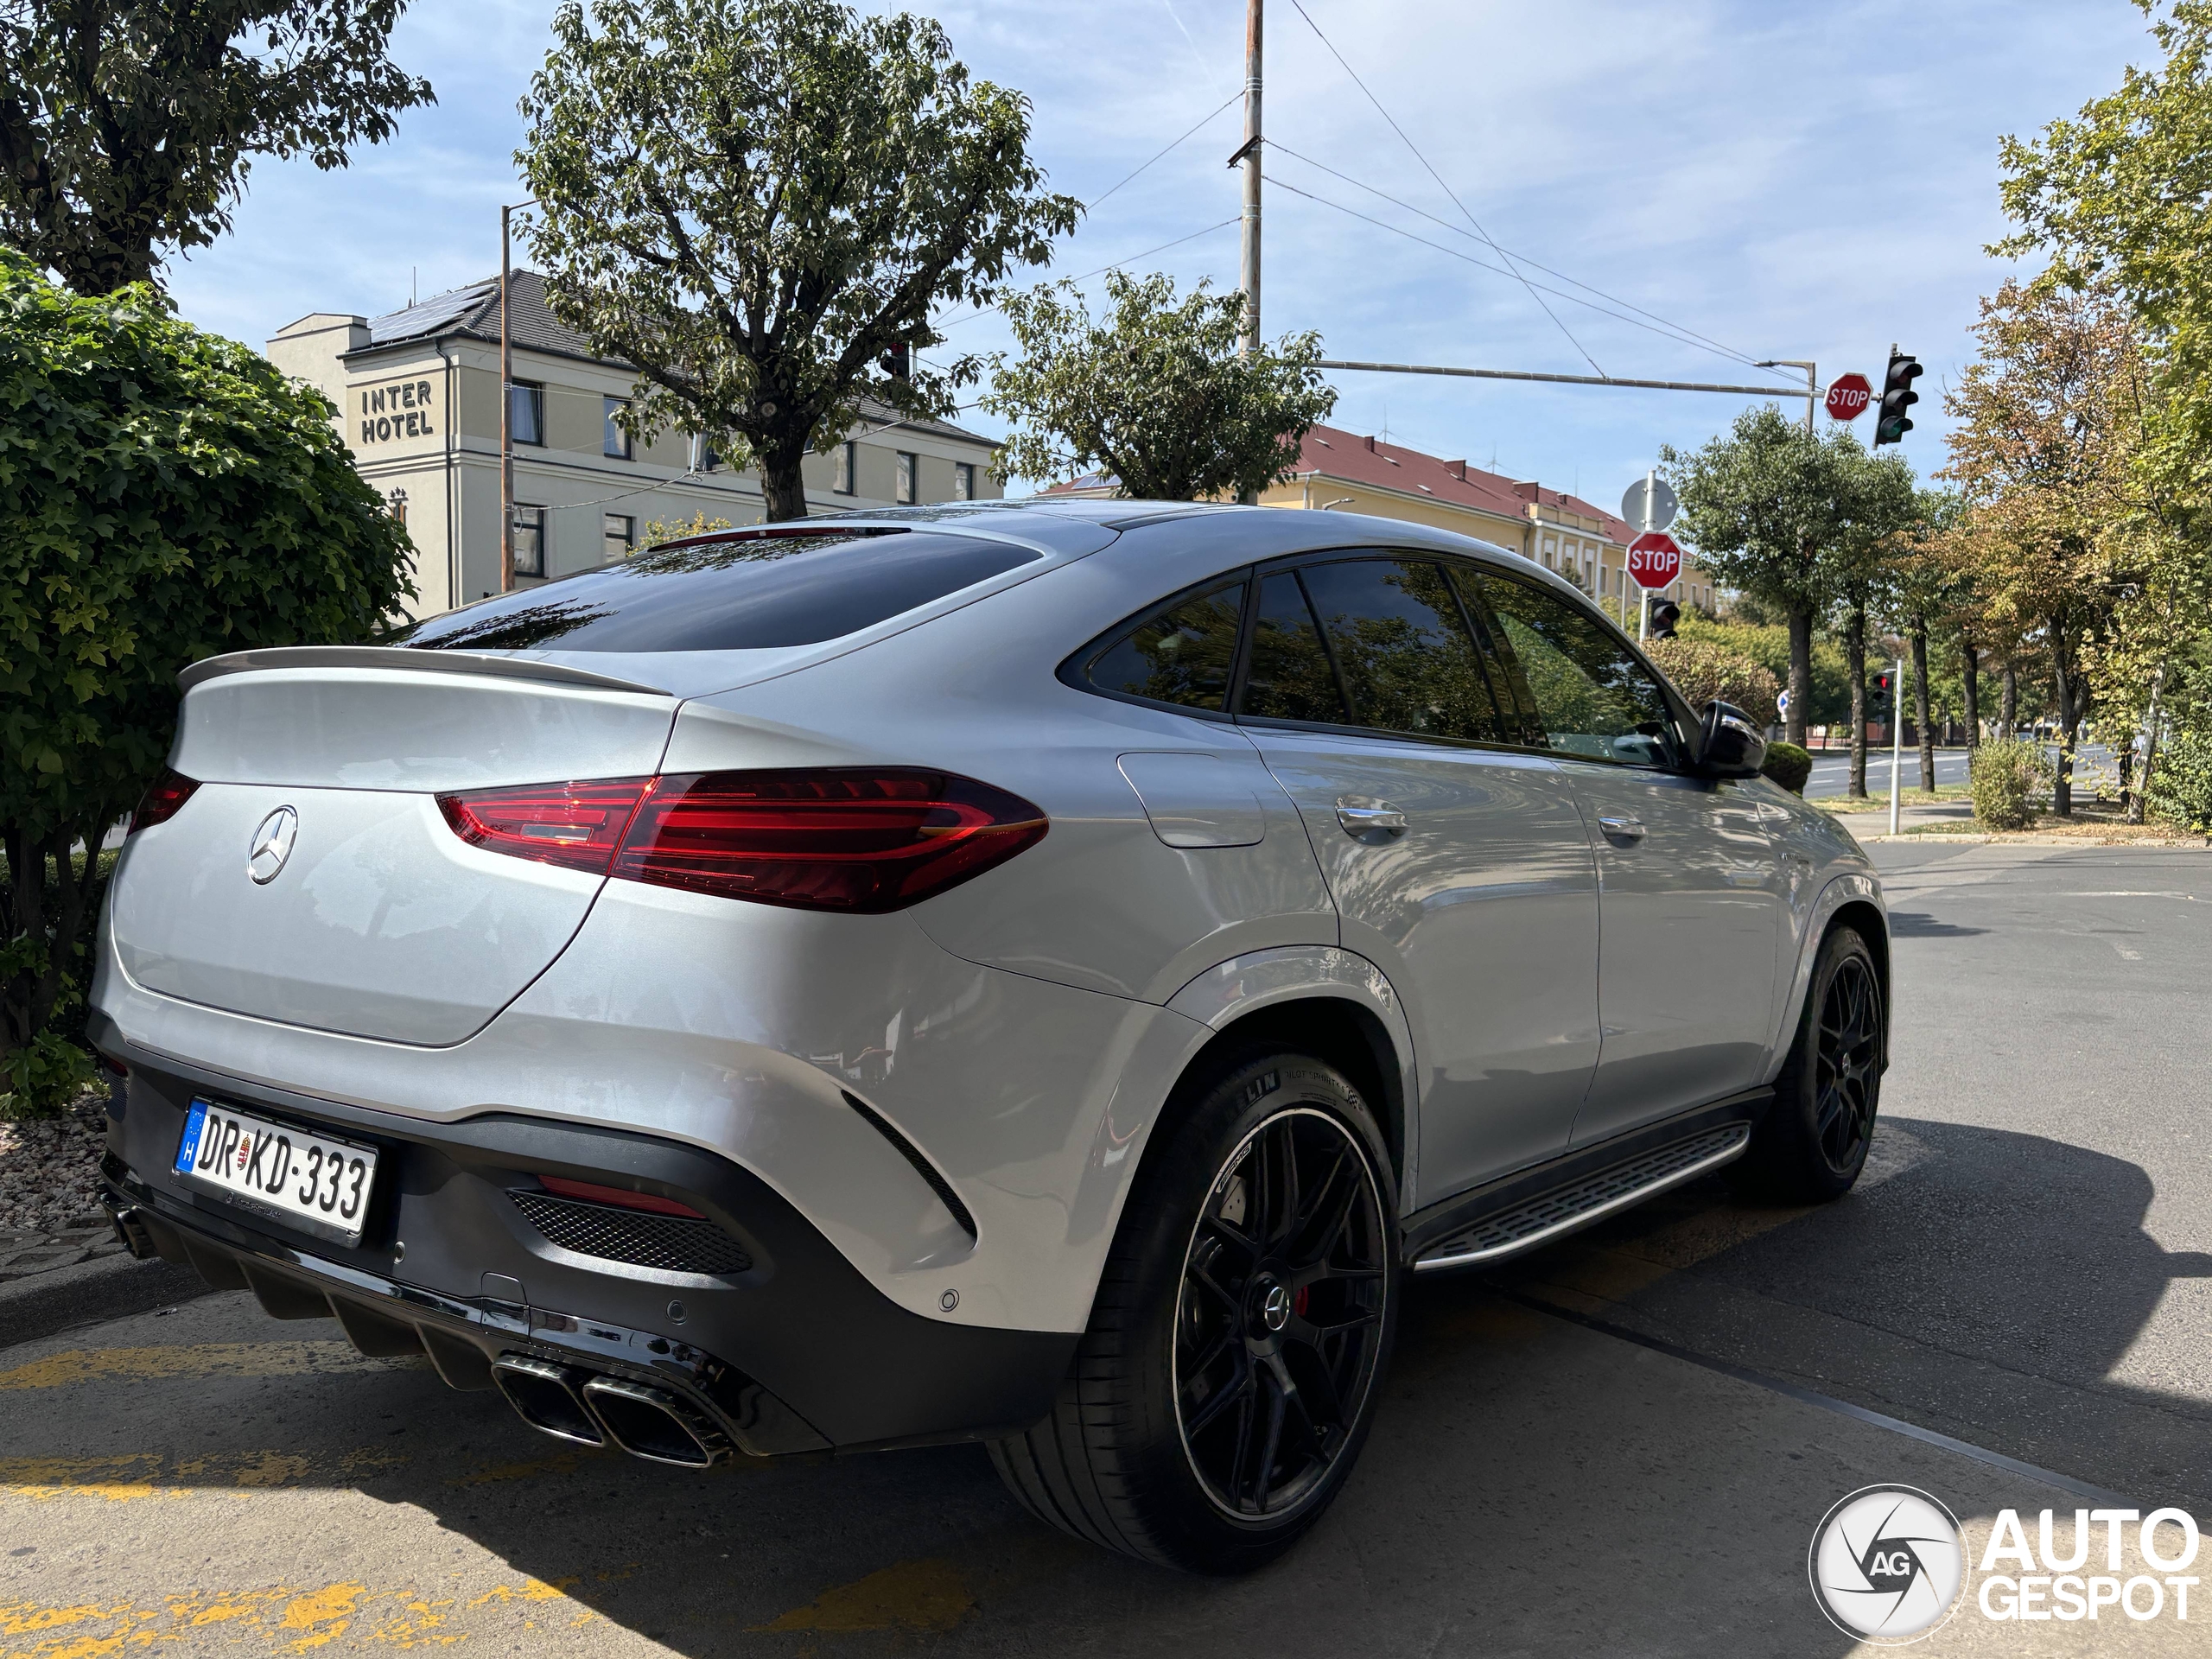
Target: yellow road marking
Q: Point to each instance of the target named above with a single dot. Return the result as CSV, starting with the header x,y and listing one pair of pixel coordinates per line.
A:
x,y
925,1595
275,1619
195,1360
149,1474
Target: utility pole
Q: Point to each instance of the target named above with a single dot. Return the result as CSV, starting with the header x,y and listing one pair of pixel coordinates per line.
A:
x,y
1897,742
507,414
1812,383
1248,278
1643,593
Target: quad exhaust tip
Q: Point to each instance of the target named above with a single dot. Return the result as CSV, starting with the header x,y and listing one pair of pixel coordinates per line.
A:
x,y
573,1405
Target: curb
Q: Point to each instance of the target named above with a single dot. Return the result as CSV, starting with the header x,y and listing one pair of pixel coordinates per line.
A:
x,y
109,1287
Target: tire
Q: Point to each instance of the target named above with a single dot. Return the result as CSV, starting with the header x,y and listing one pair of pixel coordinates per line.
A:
x,y
1813,1141
1198,1324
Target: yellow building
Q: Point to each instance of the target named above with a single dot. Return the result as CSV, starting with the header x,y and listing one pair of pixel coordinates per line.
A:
x,y
418,395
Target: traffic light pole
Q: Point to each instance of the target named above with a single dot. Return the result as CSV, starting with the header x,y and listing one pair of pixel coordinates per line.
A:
x,y
1897,742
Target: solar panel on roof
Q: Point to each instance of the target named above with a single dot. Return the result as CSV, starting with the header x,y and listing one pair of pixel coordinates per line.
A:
x,y
432,313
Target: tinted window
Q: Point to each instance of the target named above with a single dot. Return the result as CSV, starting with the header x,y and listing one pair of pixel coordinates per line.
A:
x,y
1182,655
1401,648
776,590
1590,697
1290,677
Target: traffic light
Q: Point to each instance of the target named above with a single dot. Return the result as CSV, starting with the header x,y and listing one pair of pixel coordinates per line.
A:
x,y
1890,424
1664,615
899,362
1882,684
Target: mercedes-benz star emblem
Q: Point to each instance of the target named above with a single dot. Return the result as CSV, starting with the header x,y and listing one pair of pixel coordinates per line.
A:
x,y
1276,1310
272,845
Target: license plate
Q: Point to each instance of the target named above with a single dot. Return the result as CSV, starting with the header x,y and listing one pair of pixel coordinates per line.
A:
x,y
311,1181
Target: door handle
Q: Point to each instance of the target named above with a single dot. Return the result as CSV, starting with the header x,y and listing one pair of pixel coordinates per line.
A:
x,y
1362,816
1622,828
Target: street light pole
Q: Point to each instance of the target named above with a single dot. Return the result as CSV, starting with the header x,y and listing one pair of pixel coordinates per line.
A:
x,y
1896,741
1812,383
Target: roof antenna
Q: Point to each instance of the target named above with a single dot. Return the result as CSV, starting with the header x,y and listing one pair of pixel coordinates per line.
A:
x,y
410,287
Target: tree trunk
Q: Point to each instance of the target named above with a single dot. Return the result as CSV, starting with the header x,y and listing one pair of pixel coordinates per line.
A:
x,y
2008,700
2071,699
1971,674
1801,675
1920,704
1854,648
783,486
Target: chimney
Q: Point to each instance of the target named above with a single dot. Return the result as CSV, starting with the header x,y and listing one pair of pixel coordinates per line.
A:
x,y
1530,491
1369,442
1458,469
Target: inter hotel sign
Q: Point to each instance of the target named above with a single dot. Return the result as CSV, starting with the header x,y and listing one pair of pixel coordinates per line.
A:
x,y
401,410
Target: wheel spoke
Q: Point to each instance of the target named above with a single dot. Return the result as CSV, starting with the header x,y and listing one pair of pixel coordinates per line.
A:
x,y
1262,1476
1239,1390
1280,1148
1201,1273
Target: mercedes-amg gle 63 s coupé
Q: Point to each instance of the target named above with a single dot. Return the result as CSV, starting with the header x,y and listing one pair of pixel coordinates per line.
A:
x,y
1039,974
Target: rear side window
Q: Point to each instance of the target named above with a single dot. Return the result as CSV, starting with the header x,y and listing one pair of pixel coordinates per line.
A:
x,y
1290,677
1183,654
796,589
1591,697
1402,648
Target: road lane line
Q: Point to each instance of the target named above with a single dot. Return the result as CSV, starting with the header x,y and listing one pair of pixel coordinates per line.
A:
x,y
1824,1402
914,1596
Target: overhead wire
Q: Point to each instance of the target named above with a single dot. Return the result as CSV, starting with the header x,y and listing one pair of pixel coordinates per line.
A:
x,y
1511,268
1688,335
969,317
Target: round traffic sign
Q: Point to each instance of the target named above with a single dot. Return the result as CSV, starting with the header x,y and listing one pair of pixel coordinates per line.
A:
x,y
1848,395
1782,702
1654,559
1649,504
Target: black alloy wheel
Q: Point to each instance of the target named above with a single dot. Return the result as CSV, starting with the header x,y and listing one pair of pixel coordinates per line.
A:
x,y
1813,1140
1279,1322
1241,1329
1848,1064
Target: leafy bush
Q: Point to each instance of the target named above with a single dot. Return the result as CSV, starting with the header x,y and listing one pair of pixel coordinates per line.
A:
x,y
1788,766
2181,781
2005,778
1703,669
165,495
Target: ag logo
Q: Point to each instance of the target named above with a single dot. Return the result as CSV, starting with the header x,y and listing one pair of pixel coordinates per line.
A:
x,y
1886,1565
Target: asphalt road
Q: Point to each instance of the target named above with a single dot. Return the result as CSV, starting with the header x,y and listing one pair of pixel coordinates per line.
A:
x,y
1832,768
1620,1445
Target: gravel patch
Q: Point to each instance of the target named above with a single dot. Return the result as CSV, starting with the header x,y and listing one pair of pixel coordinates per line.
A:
x,y
49,1170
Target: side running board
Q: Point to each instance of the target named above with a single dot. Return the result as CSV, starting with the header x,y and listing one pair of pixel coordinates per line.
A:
x,y
1590,1198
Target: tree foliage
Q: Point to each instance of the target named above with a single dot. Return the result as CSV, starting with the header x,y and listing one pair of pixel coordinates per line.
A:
x,y
164,496
127,127
1157,393
755,201
1704,670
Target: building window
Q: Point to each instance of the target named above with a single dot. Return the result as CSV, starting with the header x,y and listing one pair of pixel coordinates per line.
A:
x,y
620,533
847,468
906,469
613,441
526,412
1551,550
963,482
530,541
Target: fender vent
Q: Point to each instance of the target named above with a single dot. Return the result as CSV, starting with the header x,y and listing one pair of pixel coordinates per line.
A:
x,y
913,1154
671,1243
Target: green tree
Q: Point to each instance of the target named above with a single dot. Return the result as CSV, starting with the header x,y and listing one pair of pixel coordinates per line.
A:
x,y
1874,503
1158,393
1923,587
127,127
1767,508
759,202
164,496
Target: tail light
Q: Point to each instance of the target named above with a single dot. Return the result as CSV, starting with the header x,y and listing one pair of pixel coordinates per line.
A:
x,y
621,1196
577,826
864,840
161,800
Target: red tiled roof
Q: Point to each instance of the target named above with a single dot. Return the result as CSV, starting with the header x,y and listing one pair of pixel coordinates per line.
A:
x,y
1360,460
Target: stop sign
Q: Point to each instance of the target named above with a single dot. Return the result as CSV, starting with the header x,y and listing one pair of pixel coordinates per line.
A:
x,y
1654,559
1848,395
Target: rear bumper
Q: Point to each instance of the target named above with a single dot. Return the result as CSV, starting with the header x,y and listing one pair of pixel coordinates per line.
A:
x,y
797,1351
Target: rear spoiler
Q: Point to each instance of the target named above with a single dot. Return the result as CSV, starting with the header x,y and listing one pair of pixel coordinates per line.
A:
x,y
403,658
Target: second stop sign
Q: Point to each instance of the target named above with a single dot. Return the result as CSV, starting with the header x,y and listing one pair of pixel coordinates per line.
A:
x,y
1654,559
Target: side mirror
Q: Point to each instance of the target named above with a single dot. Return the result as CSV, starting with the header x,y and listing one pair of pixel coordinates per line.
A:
x,y
1730,745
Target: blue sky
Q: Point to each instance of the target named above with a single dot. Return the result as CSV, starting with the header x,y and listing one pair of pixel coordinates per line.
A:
x,y
1791,181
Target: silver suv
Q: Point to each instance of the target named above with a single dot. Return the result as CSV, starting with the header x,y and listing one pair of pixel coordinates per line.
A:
x,y
1035,974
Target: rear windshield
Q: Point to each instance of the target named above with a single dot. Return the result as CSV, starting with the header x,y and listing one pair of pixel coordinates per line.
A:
x,y
741,595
